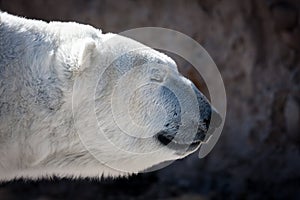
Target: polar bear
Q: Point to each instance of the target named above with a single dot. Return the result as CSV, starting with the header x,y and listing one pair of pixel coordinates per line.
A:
x,y
75,102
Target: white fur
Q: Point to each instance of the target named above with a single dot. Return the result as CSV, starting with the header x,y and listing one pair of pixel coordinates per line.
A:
x,y
42,66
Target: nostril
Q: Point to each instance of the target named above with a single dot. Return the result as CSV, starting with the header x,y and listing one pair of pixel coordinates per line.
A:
x,y
200,136
206,122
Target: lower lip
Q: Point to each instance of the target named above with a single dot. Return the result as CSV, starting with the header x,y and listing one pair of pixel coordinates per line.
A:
x,y
179,147
183,147
190,149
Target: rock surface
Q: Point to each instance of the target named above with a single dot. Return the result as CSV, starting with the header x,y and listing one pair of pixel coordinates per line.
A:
x,y
256,46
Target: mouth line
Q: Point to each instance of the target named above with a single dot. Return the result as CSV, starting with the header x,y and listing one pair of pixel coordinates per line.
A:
x,y
172,144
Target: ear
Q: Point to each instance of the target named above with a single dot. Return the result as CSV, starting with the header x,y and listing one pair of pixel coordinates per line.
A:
x,y
81,55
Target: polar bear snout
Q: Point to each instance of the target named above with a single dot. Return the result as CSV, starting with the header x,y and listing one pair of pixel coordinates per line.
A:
x,y
209,119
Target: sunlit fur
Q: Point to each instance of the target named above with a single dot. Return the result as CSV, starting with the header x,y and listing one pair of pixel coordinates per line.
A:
x,y
39,64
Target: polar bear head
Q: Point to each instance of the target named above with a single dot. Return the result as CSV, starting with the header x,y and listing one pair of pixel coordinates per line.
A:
x,y
131,106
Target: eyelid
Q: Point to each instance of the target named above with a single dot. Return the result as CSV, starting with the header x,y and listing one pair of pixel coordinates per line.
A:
x,y
158,74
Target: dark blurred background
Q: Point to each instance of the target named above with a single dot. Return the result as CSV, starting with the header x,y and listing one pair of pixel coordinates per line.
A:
x,y
256,46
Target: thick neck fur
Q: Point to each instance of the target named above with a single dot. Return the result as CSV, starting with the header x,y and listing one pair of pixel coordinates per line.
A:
x,y
57,82
37,136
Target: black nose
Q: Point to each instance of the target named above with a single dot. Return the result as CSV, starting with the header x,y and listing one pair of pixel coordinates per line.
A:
x,y
216,119
209,122
212,118
208,118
